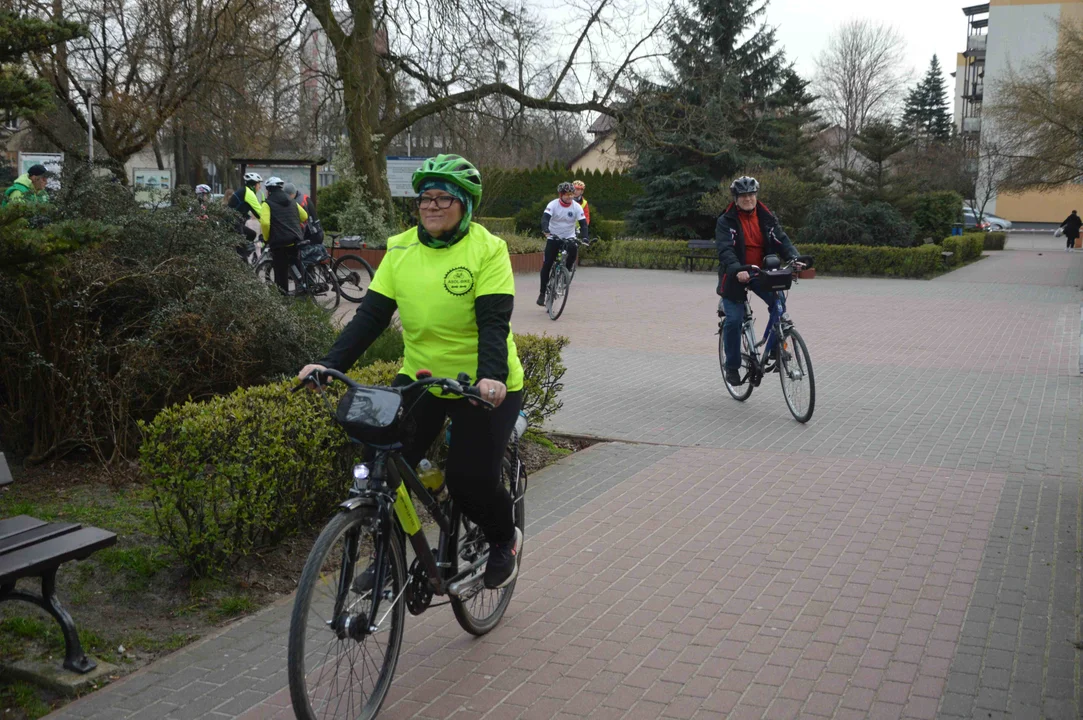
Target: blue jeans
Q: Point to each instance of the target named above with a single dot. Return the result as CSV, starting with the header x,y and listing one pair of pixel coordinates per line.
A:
x,y
735,315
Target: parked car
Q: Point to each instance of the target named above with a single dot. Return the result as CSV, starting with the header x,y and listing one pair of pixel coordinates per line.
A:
x,y
989,222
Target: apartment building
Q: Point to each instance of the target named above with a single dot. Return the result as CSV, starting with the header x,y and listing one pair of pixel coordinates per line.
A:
x,y
1002,35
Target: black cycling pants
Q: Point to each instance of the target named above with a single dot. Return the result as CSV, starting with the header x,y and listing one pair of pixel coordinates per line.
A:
x,y
475,453
552,247
281,260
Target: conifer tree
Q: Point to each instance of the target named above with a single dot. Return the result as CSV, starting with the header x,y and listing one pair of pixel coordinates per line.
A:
x,y
927,115
20,93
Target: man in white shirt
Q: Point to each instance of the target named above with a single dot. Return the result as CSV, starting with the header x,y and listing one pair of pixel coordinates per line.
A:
x,y
559,222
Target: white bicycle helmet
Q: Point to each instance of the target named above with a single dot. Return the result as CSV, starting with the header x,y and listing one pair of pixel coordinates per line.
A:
x,y
274,182
203,189
252,177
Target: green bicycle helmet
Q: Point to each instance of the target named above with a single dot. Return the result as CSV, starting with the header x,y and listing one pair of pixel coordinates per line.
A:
x,y
454,169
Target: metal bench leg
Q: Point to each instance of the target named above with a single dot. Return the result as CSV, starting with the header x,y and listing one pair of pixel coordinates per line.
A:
x,y
74,658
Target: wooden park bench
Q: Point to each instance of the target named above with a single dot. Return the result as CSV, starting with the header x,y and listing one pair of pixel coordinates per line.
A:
x,y
32,548
691,258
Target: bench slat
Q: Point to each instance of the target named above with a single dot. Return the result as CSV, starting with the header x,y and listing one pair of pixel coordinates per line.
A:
x,y
35,535
33,560
18,524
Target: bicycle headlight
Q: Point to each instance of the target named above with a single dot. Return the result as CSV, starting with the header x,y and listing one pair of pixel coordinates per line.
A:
x,y
360,472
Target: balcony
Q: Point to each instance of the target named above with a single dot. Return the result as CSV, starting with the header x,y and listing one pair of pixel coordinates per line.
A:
x,y
972,125
975,45
975,93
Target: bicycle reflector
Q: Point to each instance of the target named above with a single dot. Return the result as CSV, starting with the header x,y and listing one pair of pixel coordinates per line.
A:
x,y
424,374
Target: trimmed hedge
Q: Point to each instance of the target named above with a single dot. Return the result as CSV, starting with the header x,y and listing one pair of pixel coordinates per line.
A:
x,y
497,225
647,254
995,240
509,191
609,229
861,260
966,247
245,470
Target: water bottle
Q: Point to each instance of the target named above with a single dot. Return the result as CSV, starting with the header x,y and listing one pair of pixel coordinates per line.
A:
x,y
433,479
520,427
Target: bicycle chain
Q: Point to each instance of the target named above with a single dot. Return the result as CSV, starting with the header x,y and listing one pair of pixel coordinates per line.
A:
x,y
418,593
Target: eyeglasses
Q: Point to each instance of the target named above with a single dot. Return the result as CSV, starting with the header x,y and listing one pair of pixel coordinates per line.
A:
x,y
441,202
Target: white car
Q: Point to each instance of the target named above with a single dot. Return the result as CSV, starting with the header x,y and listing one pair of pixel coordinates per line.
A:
x,y
989,222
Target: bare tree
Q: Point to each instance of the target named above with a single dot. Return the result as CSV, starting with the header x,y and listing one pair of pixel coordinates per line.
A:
x,y
1037,116
143,60
463,52
991,174
860,78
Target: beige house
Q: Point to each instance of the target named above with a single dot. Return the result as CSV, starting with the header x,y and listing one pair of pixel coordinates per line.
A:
x,y
603,152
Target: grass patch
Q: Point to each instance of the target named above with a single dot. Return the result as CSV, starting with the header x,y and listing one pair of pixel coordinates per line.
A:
x,y
234,605
540,439
138,564
20,697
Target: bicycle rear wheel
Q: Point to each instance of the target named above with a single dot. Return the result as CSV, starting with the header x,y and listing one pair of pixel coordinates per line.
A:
x,y
335,671
265,271
354,276
322,287
479,612
562,280
739,393
795,371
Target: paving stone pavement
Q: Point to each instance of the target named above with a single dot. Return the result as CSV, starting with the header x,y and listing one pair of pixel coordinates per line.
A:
x,y
914,551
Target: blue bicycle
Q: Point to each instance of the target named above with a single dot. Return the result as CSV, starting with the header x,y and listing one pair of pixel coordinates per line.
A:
x,y
781,350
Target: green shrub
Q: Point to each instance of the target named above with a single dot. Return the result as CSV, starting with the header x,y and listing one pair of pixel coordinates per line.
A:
x,y
835,222
330,201
965,247
607,229
508,191
245,470
787,195
160,310
995,240
520,244
857,260
498,226
935,213
387,348
543,370
528,219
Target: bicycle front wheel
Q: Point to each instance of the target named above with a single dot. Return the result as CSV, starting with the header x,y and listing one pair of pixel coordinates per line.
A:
x,y
798,381
479,610
354,275
265,271
741,392
322,286
561,285
336,667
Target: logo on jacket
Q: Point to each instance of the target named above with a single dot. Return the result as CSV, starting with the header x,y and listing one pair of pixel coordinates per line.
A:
x,y
571,214
459,281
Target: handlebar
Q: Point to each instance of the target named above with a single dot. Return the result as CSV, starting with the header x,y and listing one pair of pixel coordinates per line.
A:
x,y
805,260
448,385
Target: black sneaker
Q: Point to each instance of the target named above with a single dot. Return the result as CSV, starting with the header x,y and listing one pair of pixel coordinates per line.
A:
x,y
503,563
541,299
733,377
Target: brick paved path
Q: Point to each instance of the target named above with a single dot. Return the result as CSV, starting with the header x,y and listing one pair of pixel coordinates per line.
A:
x,y
914,551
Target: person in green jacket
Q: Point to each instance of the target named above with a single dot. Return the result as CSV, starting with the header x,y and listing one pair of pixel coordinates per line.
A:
x,y
29,187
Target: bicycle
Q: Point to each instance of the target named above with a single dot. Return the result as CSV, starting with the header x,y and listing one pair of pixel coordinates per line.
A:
x,y
354,275
560,279
789,357
311,276
371,525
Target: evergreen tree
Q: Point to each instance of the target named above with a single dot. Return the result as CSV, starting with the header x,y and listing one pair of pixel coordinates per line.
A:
x,y
926,114
786,140
875,179
706,121
21,94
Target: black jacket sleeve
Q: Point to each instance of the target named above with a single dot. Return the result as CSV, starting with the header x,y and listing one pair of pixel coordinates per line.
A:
x,y
584,230
545,222
371,319
493,314
724,244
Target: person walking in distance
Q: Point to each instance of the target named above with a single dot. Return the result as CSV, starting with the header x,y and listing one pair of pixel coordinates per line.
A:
x,y
1071,226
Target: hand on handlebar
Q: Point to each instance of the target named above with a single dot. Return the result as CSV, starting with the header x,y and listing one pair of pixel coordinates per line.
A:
x,y
304,378
743,276
491,391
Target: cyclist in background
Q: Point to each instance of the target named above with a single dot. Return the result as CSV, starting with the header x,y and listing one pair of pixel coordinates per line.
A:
x,y
246,202
559,222
580,187
280,221
745,233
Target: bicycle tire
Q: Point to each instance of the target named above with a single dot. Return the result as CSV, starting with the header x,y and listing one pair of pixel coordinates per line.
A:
x,y
471,543
561,292
265,271
353,282
322,287
320,570
803,362
740,393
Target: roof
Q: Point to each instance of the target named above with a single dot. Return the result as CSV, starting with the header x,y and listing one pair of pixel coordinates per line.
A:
x,y
280,158
976,9
984,22
603,124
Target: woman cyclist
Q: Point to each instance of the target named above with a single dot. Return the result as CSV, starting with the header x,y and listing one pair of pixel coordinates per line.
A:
x,y
451,281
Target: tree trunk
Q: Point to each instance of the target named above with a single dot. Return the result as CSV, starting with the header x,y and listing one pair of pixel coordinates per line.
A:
x,y
362,120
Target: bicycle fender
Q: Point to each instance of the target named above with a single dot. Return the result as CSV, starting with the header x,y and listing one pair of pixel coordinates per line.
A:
x,y
357,502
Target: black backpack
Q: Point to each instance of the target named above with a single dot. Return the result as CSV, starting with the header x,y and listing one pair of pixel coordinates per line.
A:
x,y
313,228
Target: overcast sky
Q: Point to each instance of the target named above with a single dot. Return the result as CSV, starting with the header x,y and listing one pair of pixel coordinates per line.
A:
x,y
928,26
